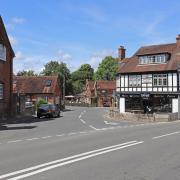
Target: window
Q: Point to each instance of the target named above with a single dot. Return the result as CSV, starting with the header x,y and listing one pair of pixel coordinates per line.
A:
x,y
135,80
1,91
153,59
160,80
2,52
48,82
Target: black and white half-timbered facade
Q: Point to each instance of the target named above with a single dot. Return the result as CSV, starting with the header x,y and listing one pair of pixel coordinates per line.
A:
x,y
149,80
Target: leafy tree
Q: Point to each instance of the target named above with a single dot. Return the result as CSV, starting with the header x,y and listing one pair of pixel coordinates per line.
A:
x,y
107,69
61,70
79,77
26,73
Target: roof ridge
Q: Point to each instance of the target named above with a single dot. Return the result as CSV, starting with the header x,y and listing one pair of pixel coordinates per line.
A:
x,y
158,45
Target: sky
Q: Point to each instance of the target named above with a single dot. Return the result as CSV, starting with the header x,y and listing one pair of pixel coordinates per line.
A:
x,y
85,31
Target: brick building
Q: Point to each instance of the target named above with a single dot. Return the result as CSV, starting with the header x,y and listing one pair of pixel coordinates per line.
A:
x,y
40,87
99,92
6,72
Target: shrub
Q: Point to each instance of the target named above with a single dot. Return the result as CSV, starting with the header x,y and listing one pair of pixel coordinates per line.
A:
x,y
40,102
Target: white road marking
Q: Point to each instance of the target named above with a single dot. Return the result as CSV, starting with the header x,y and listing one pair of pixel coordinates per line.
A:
x,y
14,141
73,133
93,127
82,121
46,137
82,132
32,139
79,116
157,137
68,160
59,135
111,123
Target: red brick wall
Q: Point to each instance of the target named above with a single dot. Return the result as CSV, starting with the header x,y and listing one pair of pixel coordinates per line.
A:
x,y
6,79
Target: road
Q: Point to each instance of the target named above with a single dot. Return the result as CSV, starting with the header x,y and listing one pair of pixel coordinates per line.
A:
x,y
83,144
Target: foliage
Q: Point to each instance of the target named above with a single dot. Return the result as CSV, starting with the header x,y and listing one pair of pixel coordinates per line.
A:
x,y
40,102
60,69
79,77
107,69
26,73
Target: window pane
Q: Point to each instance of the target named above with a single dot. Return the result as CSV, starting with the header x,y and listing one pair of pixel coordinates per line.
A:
x,y
1,91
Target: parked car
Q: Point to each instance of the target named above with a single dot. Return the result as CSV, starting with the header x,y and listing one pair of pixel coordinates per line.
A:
x,y
48,110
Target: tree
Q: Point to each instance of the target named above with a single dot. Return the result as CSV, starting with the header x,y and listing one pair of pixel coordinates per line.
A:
x,y
61,70
79,77
107,69
26,73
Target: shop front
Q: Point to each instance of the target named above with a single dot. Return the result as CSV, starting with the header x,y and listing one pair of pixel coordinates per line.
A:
x,y
148,103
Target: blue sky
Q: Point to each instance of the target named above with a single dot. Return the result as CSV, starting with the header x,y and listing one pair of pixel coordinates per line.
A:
x,y
85,31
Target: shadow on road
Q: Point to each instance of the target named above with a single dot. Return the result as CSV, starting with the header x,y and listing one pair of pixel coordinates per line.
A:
x,y
4,127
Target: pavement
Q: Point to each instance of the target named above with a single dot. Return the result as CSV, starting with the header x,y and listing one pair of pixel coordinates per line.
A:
x,y
85,145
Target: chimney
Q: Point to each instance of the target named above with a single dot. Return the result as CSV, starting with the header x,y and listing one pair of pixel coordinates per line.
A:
x,y
122,52
178,40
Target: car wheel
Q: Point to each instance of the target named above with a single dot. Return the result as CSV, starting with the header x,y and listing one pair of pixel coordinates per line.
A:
x,y
38,116
58,114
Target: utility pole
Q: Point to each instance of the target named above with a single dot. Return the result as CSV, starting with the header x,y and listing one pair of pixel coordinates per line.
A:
x,y
64,89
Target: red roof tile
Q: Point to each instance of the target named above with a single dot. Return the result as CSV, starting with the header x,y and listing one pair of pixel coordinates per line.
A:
x,y
110,85
131,65
34,85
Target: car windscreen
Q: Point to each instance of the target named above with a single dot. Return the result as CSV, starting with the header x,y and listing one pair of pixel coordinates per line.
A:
x,y
44,106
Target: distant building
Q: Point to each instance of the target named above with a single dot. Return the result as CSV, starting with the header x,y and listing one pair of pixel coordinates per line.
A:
x,y
99,92
38,87
150,79
6,72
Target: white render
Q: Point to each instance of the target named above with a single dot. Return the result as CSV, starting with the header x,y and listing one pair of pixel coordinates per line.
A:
x,y
174,105
122,105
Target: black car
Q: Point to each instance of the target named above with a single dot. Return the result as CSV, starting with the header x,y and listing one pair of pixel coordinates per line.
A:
x,y
48,110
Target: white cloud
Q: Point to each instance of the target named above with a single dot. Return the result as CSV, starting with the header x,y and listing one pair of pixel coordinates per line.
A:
x,y
64,56
97,57
13,40
18,20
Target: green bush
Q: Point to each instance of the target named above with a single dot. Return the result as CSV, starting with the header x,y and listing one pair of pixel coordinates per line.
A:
x,y
40,102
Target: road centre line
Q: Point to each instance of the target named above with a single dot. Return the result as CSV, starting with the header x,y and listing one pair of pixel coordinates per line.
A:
x,y
46,137
68,160
157,137
59,135
14,141
32,139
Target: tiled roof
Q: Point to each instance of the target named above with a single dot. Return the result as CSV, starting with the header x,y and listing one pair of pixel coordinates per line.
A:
x,y
131,65
110,85
34,84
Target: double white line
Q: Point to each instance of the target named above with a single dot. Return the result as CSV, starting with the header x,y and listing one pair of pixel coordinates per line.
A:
x,y
62,162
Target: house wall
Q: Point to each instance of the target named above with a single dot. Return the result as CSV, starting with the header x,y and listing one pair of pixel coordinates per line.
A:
x,y
122,83
6,79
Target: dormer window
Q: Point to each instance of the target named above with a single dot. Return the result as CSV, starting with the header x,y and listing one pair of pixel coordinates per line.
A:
x,y
2,52
153,59
48,83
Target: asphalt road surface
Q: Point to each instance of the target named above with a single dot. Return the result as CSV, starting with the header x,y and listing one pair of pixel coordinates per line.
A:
x,y
83,144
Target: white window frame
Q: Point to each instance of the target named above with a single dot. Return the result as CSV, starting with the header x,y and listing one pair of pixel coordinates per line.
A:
x,y
160,79
2,52
1,91
153,59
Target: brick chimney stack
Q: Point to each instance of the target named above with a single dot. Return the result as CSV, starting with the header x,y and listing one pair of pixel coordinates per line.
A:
x,y
122,52
178,40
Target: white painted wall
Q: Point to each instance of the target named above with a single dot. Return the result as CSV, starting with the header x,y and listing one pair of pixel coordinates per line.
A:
x,y
174,105
122,105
